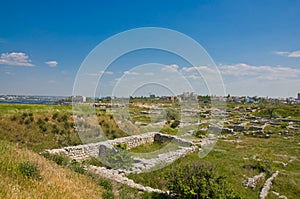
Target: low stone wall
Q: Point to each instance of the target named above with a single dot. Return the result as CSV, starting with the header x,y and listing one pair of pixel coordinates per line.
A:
x,y
119,177
79,152
82,152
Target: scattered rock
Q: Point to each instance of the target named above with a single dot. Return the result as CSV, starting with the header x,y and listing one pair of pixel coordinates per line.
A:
x,y
251,182
265,190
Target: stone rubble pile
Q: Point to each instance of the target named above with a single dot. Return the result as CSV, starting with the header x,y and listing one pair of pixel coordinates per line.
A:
x,y
266,188
119,177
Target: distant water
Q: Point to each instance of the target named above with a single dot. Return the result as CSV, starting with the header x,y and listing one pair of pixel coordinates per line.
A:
x,y
28,102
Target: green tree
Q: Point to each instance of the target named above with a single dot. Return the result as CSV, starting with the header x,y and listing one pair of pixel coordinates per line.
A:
x,y
270,106
172,114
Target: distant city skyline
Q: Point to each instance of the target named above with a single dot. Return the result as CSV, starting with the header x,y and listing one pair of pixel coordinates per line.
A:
x,y
255,44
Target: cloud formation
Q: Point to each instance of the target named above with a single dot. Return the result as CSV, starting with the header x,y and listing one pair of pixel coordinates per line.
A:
x,y
52,64
260,72
295,54
100,73
15,59
170,68
130,73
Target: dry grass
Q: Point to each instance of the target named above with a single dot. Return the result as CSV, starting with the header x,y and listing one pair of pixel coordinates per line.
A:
x,y
56,182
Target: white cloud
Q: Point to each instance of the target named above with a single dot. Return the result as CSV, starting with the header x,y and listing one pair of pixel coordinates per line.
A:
x,y
130,73
15,59
107,72
245,79
171,68
288,54
294,54
100,73
51,63
260,72
198,68
281,53
193,77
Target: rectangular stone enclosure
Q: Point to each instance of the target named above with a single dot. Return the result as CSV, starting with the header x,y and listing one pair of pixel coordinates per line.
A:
x,y
82,152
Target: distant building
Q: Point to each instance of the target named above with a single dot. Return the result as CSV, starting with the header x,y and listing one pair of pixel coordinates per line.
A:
x,y
187,96
152,96
79,99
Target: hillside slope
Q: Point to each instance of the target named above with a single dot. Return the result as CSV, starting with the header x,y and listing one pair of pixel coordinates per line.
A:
x,y
49,181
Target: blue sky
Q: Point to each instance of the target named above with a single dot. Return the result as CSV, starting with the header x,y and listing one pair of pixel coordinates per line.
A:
x,y
255,44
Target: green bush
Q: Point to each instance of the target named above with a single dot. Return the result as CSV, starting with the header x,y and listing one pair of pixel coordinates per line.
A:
x,y
283,125
106,184
175,124
117,158
108,195
172,114
121,146
30,170
77,167
198,181
58,159
200,133
54,115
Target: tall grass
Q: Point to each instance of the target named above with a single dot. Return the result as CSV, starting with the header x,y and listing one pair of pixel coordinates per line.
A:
x,y
19,166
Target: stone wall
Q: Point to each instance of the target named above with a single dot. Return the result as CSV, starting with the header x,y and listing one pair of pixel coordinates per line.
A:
x,y
82,152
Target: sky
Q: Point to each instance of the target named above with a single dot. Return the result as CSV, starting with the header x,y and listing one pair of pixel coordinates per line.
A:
x,y
255,45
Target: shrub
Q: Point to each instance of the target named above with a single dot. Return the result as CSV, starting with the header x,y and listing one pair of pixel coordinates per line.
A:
x,y
175,124
43,127
77,167
284,125
30,170
58,159
24,115
117,158
27,121
198,181
108,195
121,146
172,114
106,184
40,122
54,129
200,133
64,118
54,115
13,118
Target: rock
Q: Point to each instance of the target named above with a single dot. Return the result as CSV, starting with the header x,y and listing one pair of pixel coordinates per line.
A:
x,y
265,190
237,128
251,182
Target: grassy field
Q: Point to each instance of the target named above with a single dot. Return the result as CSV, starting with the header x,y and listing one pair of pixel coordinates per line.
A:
x,y
235,161
40,127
